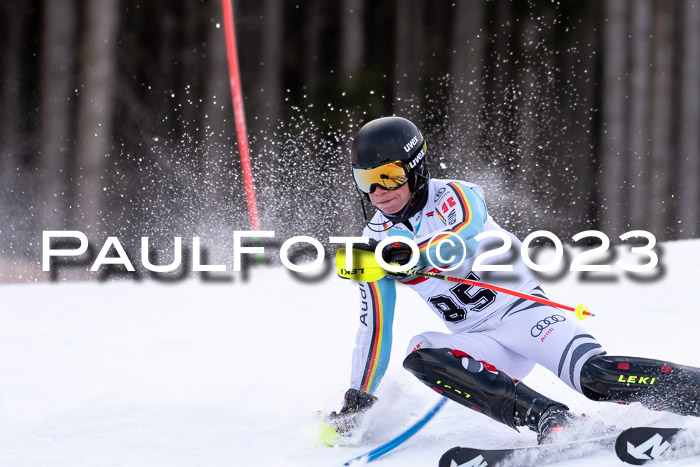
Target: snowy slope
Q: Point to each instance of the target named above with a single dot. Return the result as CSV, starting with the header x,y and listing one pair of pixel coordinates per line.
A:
x,y
201,374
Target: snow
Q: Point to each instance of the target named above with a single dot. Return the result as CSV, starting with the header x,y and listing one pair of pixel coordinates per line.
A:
x,y
232,374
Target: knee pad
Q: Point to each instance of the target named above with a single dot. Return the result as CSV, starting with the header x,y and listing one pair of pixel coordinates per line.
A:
x,y
655,383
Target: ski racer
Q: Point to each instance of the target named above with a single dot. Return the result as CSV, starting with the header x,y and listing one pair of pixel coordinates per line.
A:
x,y
494,339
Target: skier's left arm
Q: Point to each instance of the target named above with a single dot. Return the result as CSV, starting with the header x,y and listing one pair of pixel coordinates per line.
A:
x,y
374,335
463,212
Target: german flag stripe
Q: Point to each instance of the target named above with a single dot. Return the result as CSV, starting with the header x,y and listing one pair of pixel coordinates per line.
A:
x,y
442,218
462,200
373,357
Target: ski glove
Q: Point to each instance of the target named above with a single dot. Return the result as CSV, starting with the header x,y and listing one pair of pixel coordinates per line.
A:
x,y
397,253
356,402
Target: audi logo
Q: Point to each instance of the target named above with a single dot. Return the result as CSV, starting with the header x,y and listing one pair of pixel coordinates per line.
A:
x,y
545,323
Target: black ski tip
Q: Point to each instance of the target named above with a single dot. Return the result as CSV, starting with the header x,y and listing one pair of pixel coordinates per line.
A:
x,y
461,456
640,445
469,456
448,457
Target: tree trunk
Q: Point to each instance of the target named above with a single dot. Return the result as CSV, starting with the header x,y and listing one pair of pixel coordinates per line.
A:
x,y
217,127
17,182
689,209
191,74
530,87
578,107
466,69
408,53
95,111
273,57
612,148
270,103
352,39
661,161
499,115
312,45
56,86
638,115
12,74
165,56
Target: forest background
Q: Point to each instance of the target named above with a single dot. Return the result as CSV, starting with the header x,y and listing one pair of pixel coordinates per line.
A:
x,y
116,115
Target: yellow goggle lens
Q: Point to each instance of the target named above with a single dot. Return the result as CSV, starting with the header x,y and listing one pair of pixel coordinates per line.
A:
x,y
389,176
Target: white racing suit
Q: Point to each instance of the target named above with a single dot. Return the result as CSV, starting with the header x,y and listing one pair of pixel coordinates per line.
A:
x,y
510,333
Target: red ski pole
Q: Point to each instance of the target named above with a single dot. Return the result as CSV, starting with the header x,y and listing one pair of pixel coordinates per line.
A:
x,y
581,311
367,269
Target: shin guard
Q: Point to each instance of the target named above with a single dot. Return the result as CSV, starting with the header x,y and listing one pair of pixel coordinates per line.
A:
x,y
473,384
654,383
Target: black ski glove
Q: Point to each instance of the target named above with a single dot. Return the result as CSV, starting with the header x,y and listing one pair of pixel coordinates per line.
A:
x,y
356,402
397,253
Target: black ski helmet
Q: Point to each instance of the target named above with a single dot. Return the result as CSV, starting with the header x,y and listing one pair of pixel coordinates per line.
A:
x,y
390,139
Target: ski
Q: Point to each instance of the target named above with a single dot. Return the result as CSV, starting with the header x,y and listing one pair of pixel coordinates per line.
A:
x,y
523,455
639,445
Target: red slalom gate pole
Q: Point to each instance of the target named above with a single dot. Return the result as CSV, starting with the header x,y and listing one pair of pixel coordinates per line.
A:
x,y
239,116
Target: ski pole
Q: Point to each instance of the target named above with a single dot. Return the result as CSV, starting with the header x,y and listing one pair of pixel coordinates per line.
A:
x,y
366,269
580,310
389,445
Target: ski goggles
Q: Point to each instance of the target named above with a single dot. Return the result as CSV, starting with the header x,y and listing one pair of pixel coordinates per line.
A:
x,y
388,176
